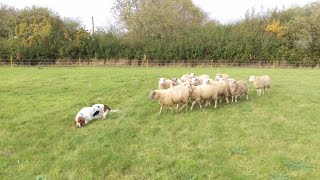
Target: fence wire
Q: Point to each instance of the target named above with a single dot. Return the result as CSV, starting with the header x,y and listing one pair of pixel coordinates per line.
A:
x,y
156,63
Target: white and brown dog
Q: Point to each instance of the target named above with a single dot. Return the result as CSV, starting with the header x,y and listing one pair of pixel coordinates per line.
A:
x,y
96,111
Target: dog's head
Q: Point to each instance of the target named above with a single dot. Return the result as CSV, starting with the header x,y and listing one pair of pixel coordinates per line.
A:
x,y
80,121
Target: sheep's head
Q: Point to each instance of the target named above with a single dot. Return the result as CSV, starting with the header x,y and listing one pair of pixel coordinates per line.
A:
x,y
194,80
206,81
153,95
231,81
252,78
218,76
174,81
221,79
185,77
192,74
189,86
162,80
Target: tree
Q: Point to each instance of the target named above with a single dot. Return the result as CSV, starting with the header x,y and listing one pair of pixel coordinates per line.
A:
x,y
158,18
276,28
7,24
39,33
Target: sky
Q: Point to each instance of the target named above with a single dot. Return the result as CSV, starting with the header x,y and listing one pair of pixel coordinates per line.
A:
x,y
225,11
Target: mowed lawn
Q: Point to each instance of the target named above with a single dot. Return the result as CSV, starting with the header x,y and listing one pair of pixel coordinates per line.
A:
x,y
275,136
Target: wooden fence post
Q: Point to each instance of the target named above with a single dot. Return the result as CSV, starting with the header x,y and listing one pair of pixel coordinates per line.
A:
x,y
11,64
145,59
274,62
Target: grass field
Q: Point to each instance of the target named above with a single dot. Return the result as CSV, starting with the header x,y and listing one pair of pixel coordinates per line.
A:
x,y
276,136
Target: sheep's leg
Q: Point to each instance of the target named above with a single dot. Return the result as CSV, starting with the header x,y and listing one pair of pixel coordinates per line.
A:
x,y
184,105
199,104
207,103
177,106
193,103
160,110
263,91
227,100
258,92
236,98
215,103
247,96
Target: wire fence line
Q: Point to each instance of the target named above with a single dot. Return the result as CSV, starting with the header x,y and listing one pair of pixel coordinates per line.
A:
x,y
156,63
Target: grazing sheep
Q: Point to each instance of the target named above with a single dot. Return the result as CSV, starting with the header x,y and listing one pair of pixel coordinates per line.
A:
x,y
170,97
238,88
203,92
225,76
164,83
261,83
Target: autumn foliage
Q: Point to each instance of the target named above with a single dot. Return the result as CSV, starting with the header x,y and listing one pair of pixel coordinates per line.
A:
x,y
164,31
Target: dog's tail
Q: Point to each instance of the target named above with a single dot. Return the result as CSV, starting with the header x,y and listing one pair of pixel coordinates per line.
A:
x,y
114,110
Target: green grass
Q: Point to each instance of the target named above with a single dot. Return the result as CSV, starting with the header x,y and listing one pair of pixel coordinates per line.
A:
x,y
276,136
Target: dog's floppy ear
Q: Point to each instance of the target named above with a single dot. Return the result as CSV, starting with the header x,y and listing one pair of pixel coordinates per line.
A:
x,y
82,121
106,108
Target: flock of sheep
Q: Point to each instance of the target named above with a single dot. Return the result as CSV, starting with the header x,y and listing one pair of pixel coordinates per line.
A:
x,y
199,89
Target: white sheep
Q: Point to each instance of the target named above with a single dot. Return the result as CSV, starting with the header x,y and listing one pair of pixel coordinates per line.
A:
x,y
203,76
196,81
176,82
224,76
203,92
170,97
186,77
238,88
208,81
189,76
222,88
261,83
164,83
